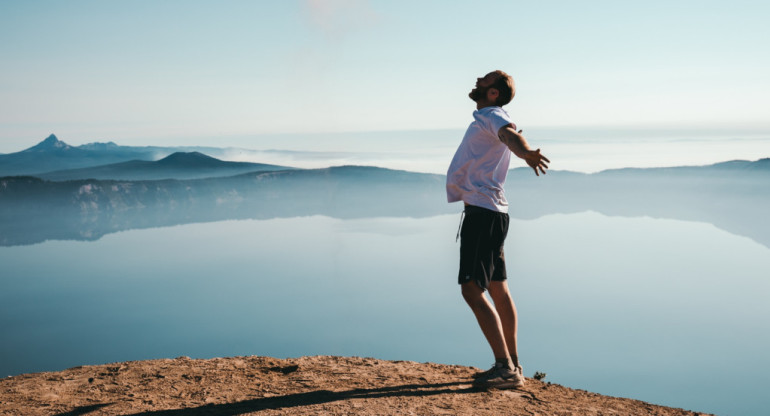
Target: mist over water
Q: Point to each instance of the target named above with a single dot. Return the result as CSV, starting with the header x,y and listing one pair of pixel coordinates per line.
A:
x,y
578,149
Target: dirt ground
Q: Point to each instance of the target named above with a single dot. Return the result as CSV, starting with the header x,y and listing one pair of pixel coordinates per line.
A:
x,y
321,385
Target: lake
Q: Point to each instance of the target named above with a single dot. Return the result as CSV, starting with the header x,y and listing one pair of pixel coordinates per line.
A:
x,y
665,311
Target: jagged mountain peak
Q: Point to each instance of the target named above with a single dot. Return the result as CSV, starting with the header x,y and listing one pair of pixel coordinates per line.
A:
x,y
50,143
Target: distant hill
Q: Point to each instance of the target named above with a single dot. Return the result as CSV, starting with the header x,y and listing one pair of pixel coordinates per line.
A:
x,y
179,165
734,195
733,167
54,155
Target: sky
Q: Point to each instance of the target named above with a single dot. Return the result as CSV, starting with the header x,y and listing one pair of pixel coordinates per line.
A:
x,y
162,72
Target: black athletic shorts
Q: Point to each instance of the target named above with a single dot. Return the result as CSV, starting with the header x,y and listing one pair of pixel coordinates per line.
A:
x,y
481,246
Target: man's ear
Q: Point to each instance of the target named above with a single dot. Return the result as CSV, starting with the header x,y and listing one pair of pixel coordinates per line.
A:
x,y
492,94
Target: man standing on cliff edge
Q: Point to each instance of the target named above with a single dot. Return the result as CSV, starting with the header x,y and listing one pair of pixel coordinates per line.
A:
x,y
476,176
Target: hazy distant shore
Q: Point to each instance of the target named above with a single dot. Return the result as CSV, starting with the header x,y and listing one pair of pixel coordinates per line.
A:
x,y
730,195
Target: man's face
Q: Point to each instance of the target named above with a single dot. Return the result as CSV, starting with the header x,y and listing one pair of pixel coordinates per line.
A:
x,y
482,86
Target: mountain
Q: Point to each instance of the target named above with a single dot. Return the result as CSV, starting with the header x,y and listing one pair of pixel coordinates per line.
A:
x,y
53,154
179,165
732,167
51,143
102,146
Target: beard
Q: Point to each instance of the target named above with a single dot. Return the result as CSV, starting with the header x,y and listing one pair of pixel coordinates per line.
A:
x,y
478,93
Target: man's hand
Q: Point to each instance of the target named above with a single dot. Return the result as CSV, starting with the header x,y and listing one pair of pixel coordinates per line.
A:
x,y
519,146
537,161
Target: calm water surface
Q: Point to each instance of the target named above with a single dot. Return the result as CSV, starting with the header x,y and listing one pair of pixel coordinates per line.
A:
x,y
665,311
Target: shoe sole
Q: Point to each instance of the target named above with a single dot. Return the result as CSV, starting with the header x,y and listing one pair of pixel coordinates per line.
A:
x,y
505,384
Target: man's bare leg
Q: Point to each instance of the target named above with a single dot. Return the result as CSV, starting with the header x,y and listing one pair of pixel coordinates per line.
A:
x,y
506,311
487,317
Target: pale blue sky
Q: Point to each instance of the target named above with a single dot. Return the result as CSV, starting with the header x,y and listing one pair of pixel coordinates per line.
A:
x,y
148,72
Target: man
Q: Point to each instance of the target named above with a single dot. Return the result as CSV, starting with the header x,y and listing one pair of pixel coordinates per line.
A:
x,y
476,176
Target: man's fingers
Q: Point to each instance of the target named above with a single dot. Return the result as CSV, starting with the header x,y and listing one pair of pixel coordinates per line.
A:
x,y
537,161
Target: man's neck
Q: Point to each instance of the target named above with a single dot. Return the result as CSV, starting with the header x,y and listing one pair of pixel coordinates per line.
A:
x,y
479,106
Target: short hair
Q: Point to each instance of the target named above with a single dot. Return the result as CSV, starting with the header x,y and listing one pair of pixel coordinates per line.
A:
x,y
506,88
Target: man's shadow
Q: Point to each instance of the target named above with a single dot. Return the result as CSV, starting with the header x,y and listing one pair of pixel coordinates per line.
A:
x,y
308,399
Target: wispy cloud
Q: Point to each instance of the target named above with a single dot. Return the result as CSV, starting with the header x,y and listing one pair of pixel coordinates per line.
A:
x,y
337,19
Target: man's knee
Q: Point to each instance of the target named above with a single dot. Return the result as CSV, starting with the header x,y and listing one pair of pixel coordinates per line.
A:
x,y
472,293
498,289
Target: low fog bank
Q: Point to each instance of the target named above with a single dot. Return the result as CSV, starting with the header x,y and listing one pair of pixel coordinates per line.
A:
x,y
33,210
732,196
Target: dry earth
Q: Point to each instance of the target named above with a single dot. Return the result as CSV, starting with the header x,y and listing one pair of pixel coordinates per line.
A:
x,y
321,385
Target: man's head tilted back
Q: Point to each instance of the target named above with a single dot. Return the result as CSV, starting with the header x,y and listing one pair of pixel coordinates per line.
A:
x,y
495,88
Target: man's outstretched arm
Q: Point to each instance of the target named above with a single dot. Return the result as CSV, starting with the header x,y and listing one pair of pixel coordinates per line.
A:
x,y
519,146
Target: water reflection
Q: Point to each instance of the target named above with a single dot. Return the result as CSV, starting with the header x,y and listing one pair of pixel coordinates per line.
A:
x,y
33,211
630,307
